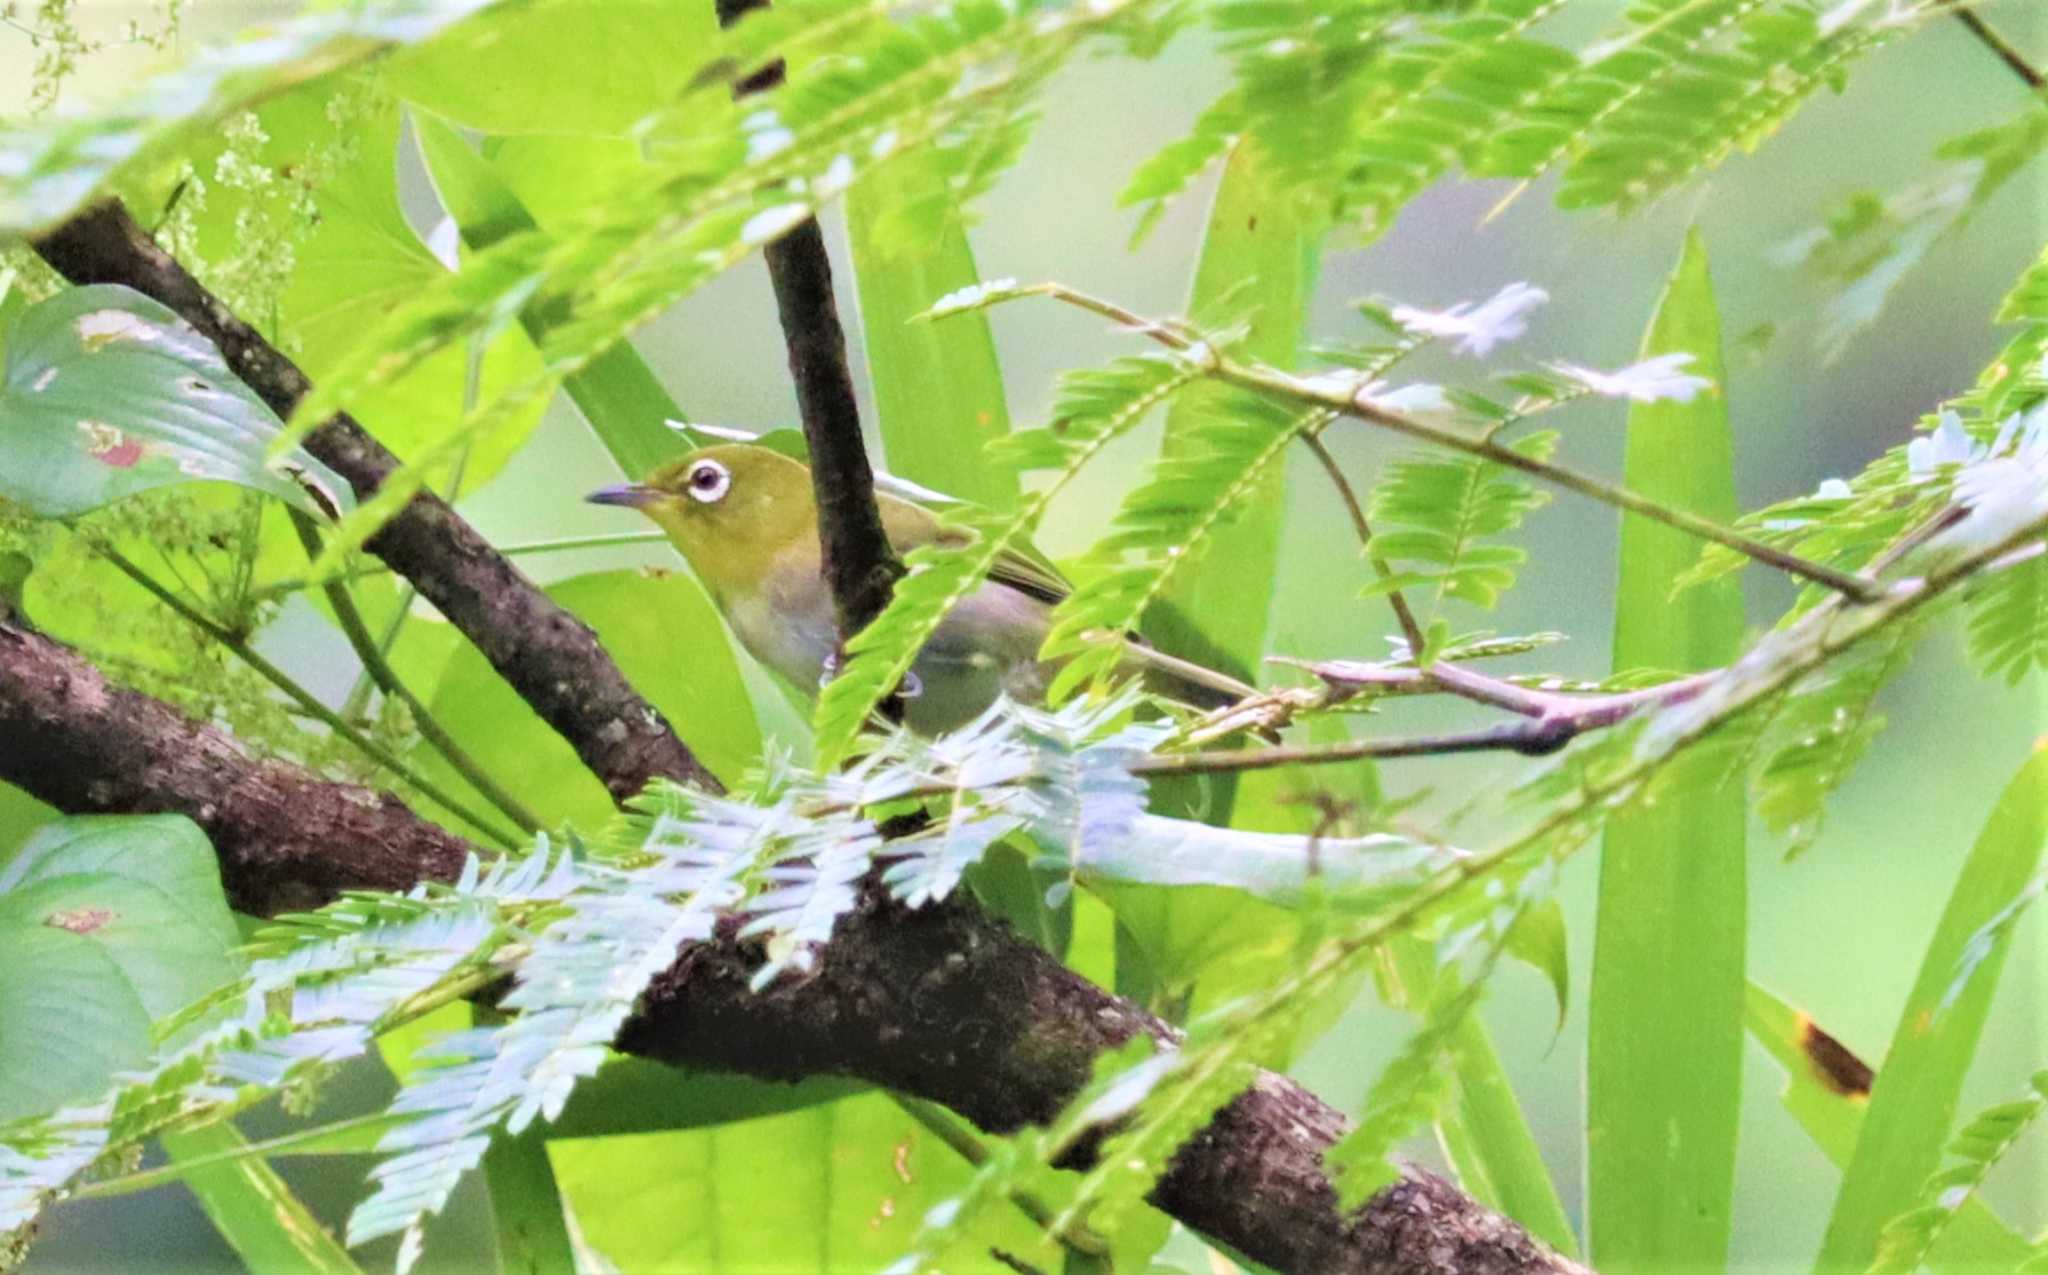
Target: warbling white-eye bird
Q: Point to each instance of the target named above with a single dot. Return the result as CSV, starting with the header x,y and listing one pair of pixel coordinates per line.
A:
x,y
747,521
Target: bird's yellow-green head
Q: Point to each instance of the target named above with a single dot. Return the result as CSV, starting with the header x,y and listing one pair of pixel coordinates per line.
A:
x,y
733,510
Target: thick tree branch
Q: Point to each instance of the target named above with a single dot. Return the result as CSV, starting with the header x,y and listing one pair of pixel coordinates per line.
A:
x,y
286,838
860,566
549,656
942,1002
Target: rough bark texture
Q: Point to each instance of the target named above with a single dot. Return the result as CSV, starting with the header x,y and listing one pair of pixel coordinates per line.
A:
x,y
287,839
942,1002
549,656
860,566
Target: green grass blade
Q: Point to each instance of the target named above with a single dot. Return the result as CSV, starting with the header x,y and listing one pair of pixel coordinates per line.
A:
x,y
1259,260
1827,1092
1664,1056
618,394
938,386
1484,1130
1914,1101
255,1212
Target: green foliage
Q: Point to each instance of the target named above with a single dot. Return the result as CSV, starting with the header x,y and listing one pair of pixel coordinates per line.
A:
x,y
1409,93
1830,1108
615,175
1432,515
938,386
1868,244
1664,1047
108,393
109,923
1977,1148
1916,1092
1218,465
55,165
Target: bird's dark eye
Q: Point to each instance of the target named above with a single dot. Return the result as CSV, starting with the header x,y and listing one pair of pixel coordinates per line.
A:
x,y
708,481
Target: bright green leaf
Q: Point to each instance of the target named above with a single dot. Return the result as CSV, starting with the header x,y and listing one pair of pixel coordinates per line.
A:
x,y
839,1187
1918,1087
670,643
558,66
107,393
68,1017
1664,1061
938,387
1827,1090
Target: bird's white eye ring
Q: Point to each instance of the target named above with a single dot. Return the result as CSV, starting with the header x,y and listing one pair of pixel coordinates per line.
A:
x,y
708,481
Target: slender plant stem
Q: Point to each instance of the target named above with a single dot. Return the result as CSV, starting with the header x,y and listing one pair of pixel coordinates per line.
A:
x,y
284,1144
944,1126
380,671
1342,395
1550,722
567,544
2000,46
1410,629
304,698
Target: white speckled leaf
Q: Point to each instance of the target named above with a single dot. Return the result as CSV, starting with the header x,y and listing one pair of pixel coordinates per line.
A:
x,y
108,393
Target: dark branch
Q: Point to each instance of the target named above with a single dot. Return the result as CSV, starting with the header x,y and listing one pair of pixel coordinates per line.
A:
x,y
286,838
942,1003
2001,47
549,656
860,565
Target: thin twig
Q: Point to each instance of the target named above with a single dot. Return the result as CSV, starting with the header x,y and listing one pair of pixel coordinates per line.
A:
x,y
304,698
1342,395
567,544
2000,46
1550,722
387,681
946,1127
1402,615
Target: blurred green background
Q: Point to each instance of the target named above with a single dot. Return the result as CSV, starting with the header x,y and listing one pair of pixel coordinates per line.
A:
x,y
1838,931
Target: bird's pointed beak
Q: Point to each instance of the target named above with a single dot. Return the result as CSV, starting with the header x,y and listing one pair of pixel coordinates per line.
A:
x,y
631,495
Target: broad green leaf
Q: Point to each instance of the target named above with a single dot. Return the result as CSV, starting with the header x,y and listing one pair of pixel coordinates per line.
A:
x,y
1827,1090
668,640
108,393
1259,262
145,889
834,1188
268,1226
68,1020
1664,1058
1483,1127
166,851
558,66
162,950
50,167
619,396
1918,1086
938,388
